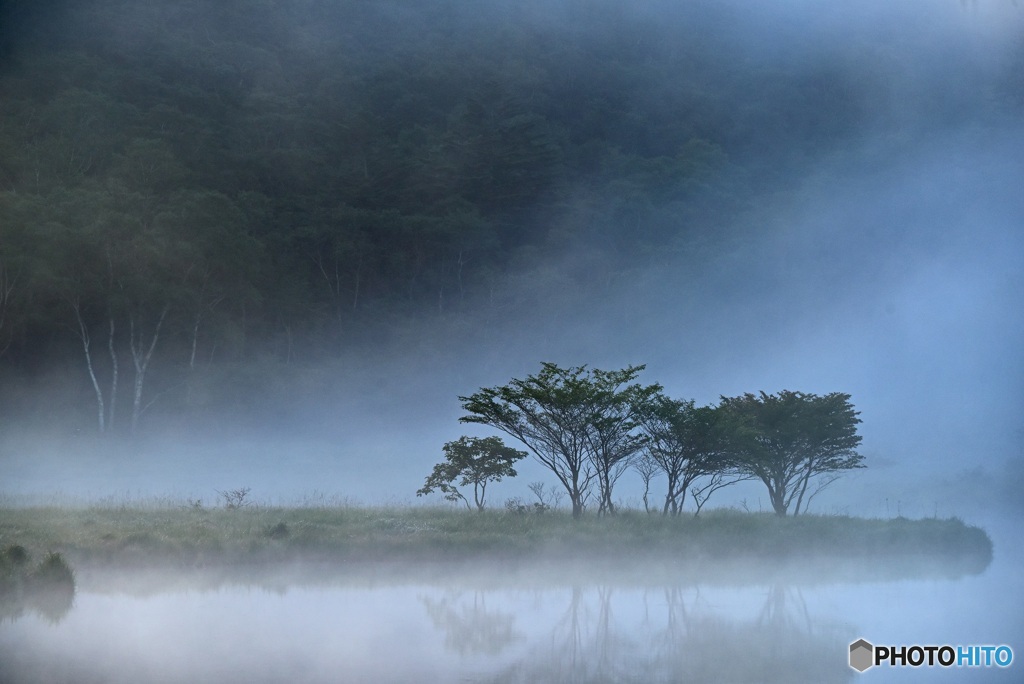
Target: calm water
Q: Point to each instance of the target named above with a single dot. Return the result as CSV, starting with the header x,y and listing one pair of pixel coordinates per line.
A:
x,y
496,624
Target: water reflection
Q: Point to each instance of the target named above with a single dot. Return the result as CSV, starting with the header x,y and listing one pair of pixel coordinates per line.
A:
x,y
468,625
50,603
670,634
47,588
630,622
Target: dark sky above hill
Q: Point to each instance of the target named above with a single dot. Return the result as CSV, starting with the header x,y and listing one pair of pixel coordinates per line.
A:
x,y
888,266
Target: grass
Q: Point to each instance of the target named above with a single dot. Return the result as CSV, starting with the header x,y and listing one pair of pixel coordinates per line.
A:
x,y
190,536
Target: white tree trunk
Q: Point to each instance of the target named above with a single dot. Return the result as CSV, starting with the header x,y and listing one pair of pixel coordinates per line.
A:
x,y
141,360
83,334
113,376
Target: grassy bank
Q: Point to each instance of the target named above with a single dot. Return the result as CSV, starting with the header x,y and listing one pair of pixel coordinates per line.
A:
x,y
189,536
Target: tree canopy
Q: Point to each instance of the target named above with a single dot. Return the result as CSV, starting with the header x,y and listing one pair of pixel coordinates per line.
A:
x,y
588,426
795,443
475,461
579,423
686,442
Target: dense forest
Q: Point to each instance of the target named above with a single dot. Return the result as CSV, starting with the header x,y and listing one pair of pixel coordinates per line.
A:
x,y
197,197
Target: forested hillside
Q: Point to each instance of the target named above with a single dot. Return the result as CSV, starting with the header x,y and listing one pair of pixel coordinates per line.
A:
x,y
192,190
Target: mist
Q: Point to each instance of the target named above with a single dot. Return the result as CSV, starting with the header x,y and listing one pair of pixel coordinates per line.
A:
x,y
887,267
849,219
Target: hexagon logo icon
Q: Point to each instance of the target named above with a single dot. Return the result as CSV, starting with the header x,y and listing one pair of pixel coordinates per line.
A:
x,y
861,655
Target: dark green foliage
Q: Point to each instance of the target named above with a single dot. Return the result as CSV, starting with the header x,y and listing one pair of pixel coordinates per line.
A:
x,y
613,437
234,186
686,442
579,423
472,461
795,443
53,571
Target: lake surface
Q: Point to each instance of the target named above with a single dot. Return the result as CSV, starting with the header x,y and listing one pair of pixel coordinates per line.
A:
x,y
618,623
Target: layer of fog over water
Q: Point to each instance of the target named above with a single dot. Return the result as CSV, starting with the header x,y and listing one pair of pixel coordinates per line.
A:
x,y
892,272
610,622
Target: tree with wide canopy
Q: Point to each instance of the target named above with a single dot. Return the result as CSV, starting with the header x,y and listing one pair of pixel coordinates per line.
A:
x,y
795,443
579,423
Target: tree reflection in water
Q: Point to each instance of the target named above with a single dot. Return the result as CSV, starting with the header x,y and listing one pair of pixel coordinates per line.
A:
x,y
472,628
51,603
666,634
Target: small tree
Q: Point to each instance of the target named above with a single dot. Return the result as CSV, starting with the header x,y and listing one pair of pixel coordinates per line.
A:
x,y
472,461
547,497
645,465
796,444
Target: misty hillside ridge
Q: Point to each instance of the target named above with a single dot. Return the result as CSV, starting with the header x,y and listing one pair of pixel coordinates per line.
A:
x,y
201,201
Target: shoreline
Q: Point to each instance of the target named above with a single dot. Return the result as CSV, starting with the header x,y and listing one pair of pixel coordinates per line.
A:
x,y
184,537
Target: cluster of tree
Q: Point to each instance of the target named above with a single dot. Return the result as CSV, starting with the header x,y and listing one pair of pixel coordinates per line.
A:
x,y
588,426
190,183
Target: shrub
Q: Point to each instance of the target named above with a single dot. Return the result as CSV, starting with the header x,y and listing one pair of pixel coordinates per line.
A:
x,y
235,498
53,572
